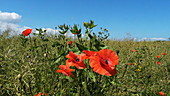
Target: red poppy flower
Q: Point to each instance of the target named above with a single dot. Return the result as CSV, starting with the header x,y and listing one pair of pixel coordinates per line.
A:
x,y
157,56
163,53
76,60
133,50
104,63
69,43
65,70
131,63
161,93
158,62
27,32
39,94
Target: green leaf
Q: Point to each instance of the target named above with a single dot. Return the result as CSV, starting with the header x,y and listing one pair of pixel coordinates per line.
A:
x,y
62,32
57,59
91,37
35,33
81,47
104,47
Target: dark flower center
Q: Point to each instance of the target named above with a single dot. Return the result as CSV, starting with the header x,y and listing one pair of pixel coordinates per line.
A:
x,y
106,61
77,59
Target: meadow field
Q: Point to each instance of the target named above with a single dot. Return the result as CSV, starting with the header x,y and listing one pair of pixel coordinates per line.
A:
x,y
28,66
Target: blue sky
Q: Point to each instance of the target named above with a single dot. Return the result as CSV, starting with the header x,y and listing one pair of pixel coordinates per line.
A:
x,y
140,18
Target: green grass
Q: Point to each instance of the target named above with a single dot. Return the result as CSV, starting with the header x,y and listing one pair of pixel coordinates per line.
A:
x,y
27,68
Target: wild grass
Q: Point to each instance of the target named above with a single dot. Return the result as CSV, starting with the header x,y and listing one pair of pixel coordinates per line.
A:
x,y
28,67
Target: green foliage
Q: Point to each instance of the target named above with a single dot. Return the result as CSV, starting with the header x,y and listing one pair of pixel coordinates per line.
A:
x,y
28,65
63,28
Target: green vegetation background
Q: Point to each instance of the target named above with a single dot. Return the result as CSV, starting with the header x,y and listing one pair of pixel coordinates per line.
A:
x,y
28,67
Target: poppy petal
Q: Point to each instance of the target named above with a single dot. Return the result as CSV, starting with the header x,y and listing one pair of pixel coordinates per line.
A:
x,y
89,53
76,60
65,70
27,32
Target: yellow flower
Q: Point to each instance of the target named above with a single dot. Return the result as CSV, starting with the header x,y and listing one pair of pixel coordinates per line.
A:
x,y
138,70
139,66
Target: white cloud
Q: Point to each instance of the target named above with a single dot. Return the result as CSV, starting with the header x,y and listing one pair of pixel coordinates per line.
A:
x,y
153,39
10,17
16,29
51,31
158,38
9,21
